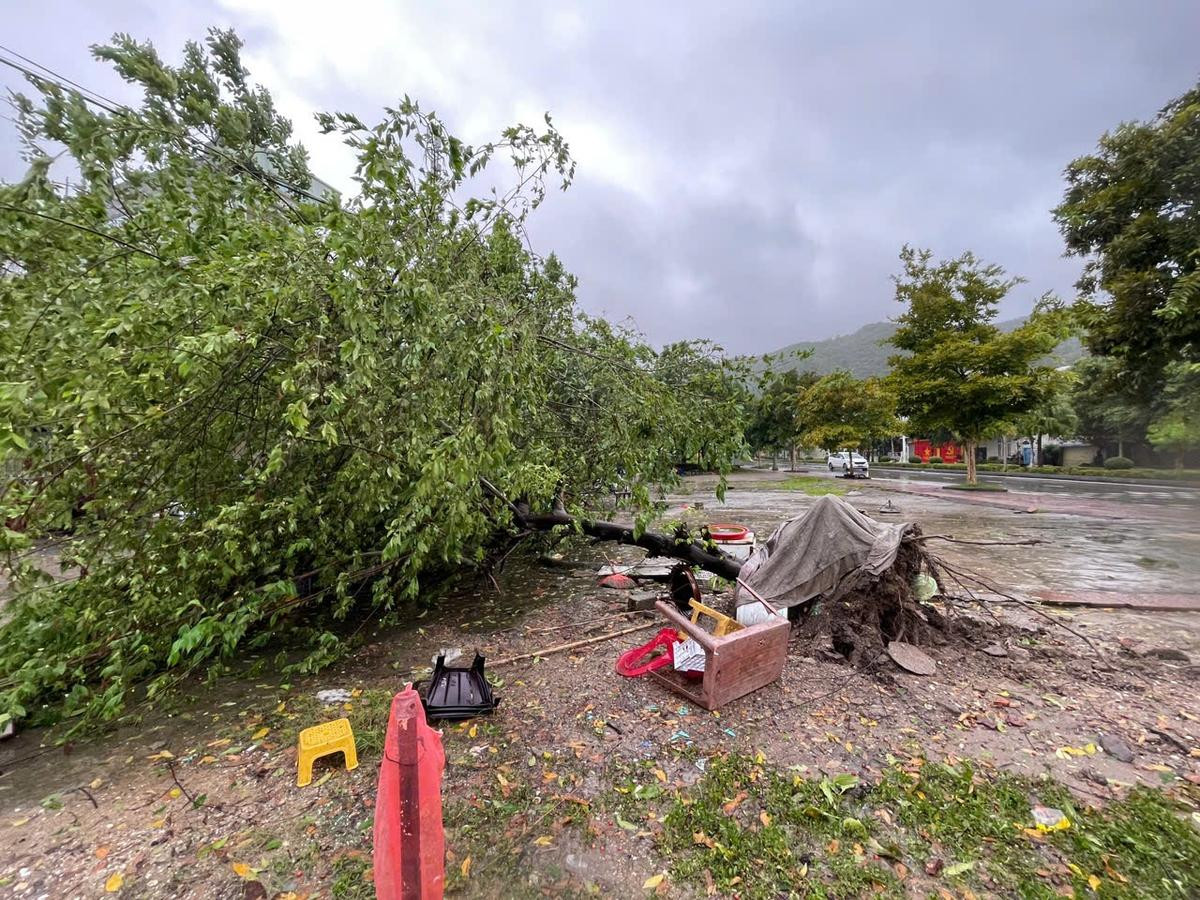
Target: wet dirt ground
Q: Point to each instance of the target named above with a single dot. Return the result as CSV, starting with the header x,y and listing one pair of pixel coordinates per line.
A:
x,y
199,798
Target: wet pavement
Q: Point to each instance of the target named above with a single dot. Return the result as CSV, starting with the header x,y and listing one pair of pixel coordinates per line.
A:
x,y
1102,540
571,731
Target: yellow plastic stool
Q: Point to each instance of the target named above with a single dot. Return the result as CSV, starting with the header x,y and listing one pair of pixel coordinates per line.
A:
x,y
321,740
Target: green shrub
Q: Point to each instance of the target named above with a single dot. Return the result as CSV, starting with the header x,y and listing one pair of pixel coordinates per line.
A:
x,y
1052,455
1118,462
915,459
994,459
935,460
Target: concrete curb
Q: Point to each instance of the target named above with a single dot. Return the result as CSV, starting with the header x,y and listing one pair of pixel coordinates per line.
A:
x,y
1155,482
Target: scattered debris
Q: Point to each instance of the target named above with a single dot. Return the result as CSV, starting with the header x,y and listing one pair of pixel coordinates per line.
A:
x,y
555,561
750,658
599,639
1047,818
660,649
457,692
737,541
1168,738
684,590
1120,600
1116,747
924,587
688,657
641,601
617,582
909,658
1167,653
447,655
889,509
334,696
322,740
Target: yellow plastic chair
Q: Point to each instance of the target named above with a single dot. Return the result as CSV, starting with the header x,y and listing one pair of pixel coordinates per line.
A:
x,y
322,740
725,625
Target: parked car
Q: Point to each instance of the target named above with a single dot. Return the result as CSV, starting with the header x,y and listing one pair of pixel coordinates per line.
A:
x,y
845,460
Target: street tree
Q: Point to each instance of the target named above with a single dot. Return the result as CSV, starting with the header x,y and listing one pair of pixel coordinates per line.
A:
x,y
1131,210
240,407
840,411
956,370
1100,399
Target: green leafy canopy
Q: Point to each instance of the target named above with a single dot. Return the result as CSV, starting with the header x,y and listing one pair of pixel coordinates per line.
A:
x,y
237,405
958,372
1131,210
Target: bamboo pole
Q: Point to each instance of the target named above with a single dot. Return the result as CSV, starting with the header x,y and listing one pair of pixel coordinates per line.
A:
x,y
571,646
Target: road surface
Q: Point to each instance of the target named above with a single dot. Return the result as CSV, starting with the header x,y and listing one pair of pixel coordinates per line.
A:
x,y
1065,495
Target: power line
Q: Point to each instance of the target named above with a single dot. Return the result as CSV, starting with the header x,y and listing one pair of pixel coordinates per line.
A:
x,y
113,107
62,80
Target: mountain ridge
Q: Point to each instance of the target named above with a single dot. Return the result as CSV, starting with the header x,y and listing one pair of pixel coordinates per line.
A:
x,y
863,353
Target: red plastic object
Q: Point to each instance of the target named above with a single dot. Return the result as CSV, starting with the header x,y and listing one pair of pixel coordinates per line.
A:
x,y
629,663
618,581
409,842
726,531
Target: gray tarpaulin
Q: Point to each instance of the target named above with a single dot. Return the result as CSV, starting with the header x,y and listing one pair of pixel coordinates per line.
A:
x,y
814,553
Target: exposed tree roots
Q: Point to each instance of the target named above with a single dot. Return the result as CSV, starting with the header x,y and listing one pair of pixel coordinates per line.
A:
x,y
871,611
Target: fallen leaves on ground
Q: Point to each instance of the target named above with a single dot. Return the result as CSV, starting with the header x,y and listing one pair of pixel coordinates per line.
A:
x,y
731,807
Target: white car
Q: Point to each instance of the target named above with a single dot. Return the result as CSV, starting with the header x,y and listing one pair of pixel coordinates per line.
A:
x,y
844,460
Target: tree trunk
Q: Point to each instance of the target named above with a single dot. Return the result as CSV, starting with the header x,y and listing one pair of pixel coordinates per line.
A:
x,y
971,462
679,546
1037,461
774,459
792,452
1120,445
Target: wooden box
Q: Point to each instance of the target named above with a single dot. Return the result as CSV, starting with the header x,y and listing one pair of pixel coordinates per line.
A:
x,y
734,665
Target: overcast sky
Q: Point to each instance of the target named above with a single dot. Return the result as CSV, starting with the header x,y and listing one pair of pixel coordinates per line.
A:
x,y
747,172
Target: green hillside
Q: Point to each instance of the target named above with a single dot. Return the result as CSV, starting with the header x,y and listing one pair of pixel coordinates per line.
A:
x,y
863,352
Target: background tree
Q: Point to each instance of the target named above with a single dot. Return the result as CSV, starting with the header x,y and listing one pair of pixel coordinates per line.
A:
x,y
1053,416
958,371
245,409
698,372
773,423
1100,399
1176,429
841,412
1132,209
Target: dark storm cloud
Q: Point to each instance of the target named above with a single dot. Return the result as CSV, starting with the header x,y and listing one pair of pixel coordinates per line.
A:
x,y
746,174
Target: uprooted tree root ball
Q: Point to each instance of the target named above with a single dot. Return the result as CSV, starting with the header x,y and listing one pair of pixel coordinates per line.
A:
x,y
871,611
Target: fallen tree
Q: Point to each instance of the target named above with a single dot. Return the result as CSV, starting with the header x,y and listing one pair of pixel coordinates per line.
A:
x,y
681,545
238,406
860,610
